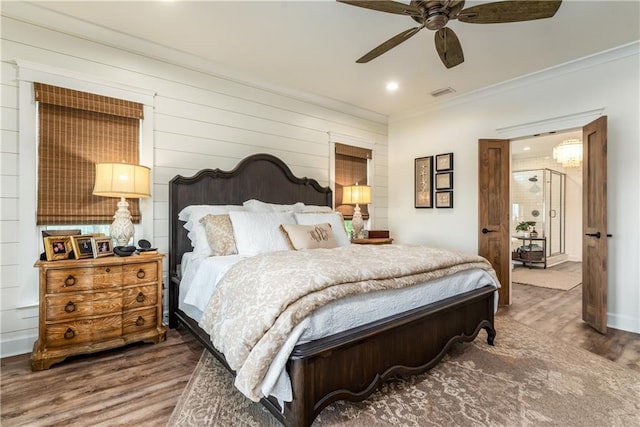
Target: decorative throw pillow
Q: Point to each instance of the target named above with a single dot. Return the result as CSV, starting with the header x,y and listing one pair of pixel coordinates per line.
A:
x,y
333,218
197,234
310,236
219,232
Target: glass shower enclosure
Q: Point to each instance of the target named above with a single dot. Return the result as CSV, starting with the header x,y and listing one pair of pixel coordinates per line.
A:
x,y
539,195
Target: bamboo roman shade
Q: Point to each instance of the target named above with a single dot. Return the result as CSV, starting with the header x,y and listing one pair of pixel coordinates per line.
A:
x,y
76,131
351,166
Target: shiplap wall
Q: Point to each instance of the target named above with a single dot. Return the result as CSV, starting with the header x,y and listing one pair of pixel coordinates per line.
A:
x,y
200,120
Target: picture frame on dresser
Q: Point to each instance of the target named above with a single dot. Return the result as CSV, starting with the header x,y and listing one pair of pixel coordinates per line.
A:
x,y
57,247
423,182
82,246
102,246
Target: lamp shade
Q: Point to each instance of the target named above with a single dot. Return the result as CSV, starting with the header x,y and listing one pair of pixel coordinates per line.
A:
x,y
356,194
121,180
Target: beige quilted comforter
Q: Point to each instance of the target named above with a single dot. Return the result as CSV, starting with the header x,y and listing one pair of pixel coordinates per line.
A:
x,y
261,299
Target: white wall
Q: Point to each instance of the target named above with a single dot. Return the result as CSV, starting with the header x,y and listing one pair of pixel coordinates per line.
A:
x,y
200,120
520,108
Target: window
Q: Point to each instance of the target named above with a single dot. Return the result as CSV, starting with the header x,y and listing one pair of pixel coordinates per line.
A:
x,y
351,166
77,130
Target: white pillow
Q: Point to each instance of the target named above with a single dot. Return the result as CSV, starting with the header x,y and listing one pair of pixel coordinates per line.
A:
x,y
259,232
197,233
316,209
254,205
333,218
310,236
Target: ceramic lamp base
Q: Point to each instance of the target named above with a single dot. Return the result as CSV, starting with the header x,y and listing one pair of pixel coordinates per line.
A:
x,y
357,223
122,228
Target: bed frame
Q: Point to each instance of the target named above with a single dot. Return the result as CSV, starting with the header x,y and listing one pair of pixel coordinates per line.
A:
x,y
346,366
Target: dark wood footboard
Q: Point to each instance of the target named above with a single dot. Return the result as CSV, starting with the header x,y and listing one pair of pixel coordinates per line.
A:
x,y
352,364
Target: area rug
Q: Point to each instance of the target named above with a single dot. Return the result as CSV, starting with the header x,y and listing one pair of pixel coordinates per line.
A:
x,y
554,279
526,379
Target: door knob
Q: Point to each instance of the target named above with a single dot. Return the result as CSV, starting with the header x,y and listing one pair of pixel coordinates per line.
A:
x,y
486,230
596,235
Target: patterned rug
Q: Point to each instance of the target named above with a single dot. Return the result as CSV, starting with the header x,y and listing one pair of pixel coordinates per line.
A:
x,y
527,379
553,279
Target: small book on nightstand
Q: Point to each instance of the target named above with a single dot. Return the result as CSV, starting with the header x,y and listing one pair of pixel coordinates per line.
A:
x,y
152,252
378,234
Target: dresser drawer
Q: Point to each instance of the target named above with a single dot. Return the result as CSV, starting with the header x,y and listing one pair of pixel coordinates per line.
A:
x,y
83,279
83,331
139,296
75,305
140,273
139,320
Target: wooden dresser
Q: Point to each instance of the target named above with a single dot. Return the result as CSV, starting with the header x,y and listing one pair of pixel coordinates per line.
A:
x,y
96,304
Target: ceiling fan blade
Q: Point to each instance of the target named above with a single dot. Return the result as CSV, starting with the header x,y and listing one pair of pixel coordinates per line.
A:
x,y
391,43
509,11
386,6
448,47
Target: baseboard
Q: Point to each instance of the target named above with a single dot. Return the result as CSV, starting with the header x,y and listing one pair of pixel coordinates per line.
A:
x,y
18,345
624,323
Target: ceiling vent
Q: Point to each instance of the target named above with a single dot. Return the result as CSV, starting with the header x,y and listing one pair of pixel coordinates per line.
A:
x,y
442,91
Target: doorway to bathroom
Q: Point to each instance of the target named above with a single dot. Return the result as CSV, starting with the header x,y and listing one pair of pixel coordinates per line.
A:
x,y
546,213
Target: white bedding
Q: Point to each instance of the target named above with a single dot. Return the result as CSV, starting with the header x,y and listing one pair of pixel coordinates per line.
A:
x,y
201,274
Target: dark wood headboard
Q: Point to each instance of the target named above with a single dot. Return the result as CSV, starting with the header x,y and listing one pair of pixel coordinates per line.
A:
x,y
260,176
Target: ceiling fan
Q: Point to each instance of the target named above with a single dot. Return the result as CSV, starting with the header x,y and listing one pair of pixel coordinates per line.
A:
x,y
434,15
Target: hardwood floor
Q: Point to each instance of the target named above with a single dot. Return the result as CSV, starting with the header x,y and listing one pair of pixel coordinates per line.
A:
x,y
140,384
559,314
137,385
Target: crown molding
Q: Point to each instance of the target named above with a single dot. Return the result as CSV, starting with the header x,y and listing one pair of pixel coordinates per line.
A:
x,y
610,55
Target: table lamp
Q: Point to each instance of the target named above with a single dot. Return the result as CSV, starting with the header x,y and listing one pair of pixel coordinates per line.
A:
x,y
356,194
125,181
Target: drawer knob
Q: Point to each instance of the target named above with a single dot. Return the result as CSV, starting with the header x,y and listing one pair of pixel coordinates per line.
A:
x,y
70,280
108,270
140,321
140,274
140,297
69,333
70,307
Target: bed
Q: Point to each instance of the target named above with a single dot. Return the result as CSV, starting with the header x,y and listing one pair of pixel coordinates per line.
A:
x,y
348,365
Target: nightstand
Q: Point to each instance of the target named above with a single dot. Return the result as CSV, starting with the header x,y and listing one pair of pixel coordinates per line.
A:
x,y
91,305
373,241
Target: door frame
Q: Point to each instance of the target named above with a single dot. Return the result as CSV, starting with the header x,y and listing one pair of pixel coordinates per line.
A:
x,y
532,129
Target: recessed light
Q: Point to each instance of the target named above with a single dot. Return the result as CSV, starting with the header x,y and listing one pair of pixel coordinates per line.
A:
x,y
526,148
392,86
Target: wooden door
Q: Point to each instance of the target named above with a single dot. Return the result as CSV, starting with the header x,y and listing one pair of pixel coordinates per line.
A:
x,y
494,178
594,224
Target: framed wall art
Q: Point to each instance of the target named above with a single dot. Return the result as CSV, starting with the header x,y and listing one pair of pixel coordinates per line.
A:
x,y
444,199
423,182
444,162
102,246
444,181
82,246
57,247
